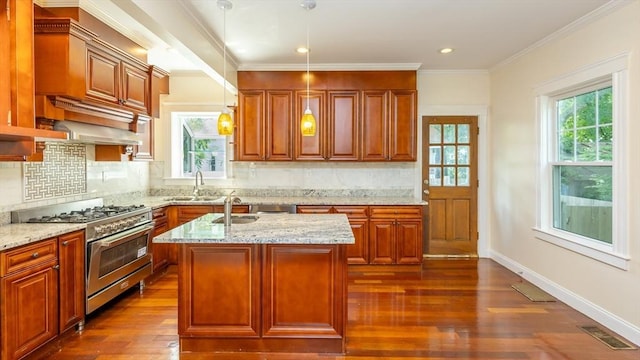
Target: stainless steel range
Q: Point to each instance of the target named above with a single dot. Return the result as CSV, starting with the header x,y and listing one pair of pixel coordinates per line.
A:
x,y
117,239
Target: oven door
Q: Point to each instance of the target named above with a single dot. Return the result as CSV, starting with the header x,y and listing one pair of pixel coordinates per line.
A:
x,y
116,256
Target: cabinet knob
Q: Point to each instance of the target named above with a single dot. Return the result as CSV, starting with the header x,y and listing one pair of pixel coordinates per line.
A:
x,y
56,267
65,243
35,255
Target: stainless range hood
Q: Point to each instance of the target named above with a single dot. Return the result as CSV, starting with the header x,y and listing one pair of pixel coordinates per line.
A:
x,y
95,134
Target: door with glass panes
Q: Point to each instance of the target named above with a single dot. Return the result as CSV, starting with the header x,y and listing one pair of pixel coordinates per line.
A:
x,y
450,184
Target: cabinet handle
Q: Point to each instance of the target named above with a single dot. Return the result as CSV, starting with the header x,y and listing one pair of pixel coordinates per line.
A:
x,y
65,243
35,255
56,267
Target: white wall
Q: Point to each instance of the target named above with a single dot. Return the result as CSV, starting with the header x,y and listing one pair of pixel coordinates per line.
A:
x,y
606,293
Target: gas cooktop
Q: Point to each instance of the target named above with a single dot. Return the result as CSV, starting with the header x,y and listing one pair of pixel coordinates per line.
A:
x,y
85,215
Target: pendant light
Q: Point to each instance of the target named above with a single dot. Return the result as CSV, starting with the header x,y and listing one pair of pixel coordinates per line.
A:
x,y
308,121
225,121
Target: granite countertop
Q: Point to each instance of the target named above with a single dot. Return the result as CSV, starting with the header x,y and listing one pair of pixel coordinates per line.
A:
x,y
15,235
268,229
160,201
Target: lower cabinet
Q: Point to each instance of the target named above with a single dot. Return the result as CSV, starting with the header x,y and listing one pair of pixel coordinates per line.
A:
x,y
275,297
395,235
71,253
357,253
383,234
160,252
42,289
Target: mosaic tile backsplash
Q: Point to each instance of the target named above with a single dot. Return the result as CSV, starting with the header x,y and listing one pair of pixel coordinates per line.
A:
x,y
62,173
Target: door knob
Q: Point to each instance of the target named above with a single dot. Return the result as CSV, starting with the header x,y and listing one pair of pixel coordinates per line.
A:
x,y
426,192
426,182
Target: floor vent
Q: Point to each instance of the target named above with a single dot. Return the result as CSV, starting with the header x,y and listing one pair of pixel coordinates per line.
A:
x,y
533,293
611,341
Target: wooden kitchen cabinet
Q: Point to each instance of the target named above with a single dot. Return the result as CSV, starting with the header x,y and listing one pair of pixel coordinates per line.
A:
x,y
265,126
389,125
357,253
395,235
161,252
29,308
360,115
71,253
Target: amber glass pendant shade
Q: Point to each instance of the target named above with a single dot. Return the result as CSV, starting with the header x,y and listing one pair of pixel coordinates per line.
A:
x,y
308,124
225,124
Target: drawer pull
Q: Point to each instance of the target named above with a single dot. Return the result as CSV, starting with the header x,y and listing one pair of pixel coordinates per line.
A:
x,y
35,255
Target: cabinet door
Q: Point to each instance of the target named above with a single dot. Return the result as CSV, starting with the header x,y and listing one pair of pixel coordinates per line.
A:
x,y
310,147
223,284
303,300
5,70
135,87
71,248
403,123
29,310
358,253
408,242
161,252
343,125
279,125
375,125
249,137
382,241
103,76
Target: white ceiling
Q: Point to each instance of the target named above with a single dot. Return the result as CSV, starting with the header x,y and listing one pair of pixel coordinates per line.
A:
x,y
343,34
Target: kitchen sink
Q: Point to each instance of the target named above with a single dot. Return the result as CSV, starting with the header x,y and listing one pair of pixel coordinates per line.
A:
x,y
238,219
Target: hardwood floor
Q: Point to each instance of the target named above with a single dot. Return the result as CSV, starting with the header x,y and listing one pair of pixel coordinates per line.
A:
x,y
453,309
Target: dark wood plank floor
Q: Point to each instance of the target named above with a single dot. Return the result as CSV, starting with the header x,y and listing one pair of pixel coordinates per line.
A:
x,y
453,309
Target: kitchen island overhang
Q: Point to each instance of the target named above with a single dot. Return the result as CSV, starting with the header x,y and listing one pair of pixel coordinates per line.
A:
x,y
278,284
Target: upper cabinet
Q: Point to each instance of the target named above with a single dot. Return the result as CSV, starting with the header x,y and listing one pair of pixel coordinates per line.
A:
x,y
18,133
87,77
360,115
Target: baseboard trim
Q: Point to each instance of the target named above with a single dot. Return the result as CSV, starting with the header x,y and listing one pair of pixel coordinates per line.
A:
x,y
595,312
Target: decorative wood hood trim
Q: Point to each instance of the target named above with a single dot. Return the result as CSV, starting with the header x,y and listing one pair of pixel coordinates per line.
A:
x,y
63,26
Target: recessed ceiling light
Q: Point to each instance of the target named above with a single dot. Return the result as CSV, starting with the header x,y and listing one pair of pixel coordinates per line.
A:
x,y
446,50
302,50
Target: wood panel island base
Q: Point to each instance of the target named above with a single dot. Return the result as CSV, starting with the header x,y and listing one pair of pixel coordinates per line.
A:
x,y
278,284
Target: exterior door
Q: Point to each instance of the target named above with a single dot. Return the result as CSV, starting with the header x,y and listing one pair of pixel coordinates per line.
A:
x,y
450,184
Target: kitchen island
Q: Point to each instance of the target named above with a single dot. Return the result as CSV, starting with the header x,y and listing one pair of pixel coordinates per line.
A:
x,y
278,284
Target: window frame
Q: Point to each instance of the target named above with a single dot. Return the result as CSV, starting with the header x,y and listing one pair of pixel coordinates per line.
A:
x,y
176,144
614,72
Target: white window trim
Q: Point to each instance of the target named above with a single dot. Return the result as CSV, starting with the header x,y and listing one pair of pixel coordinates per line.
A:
x,y
176,143
616,254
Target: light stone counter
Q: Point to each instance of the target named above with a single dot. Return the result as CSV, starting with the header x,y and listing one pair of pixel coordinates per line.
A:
x,y
324,229
14,235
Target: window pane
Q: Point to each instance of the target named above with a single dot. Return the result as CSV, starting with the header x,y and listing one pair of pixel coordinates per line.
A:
x,y
586,109
435,155
450,155
582,201
566,145
435,134
449,176
463,133
463,176
463,154
605,142
435,176
449,134
605,107
586,144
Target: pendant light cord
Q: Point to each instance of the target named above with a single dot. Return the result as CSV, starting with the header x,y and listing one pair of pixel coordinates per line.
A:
x,y
224,59
308,50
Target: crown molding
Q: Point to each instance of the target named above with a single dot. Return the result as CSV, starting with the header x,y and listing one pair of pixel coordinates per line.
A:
x,y
330,67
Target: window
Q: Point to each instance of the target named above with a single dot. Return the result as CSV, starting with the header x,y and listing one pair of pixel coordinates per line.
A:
x,y
582,120
196,145
582,164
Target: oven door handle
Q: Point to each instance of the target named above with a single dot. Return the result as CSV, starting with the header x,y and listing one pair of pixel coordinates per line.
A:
x,y
117,238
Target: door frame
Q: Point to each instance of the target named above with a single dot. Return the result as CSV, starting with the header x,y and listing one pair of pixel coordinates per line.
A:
x,y
484,231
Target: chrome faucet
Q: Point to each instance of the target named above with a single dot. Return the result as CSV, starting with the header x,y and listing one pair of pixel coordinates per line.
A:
x,y
196,189
228,206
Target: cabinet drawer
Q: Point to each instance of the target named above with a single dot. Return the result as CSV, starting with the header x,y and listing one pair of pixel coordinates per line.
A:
x,y
313,209
28,256
395,212
353,212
